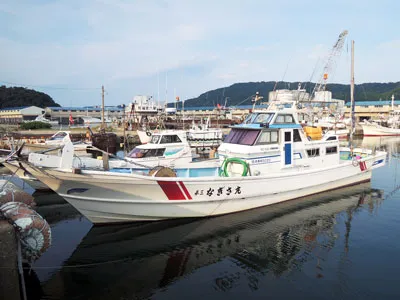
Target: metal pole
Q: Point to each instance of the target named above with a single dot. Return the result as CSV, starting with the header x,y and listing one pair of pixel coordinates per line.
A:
x,y
102,107
353,120
124,125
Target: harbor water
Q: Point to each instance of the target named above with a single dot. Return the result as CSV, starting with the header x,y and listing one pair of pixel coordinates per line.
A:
x,y
340,244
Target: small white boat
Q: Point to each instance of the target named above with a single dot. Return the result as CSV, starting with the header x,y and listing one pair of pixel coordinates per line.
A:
x,y
60,138
91,121
170,148
41,118
376,129
197,136
265,161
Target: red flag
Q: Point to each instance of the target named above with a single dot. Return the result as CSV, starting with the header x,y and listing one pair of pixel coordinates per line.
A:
x,y
363,166
71,120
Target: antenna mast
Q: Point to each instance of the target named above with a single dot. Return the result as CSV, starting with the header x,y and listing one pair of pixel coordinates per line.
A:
x,y
330,64
352,108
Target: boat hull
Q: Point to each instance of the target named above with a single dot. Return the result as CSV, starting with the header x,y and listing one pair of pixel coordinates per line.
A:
x,y
108,198
378,130
143,212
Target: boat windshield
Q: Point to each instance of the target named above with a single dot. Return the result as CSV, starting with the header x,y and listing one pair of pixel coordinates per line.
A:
x,y
140,153
242,136
58,136
258,118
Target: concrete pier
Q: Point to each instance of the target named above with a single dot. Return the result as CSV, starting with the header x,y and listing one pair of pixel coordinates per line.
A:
x,y
9,277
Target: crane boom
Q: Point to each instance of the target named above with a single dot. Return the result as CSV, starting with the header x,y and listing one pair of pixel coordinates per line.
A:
x,y
330,64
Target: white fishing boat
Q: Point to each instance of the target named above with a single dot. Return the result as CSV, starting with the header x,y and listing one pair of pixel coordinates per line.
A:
x,y
264,161
41,118
389,128
92,121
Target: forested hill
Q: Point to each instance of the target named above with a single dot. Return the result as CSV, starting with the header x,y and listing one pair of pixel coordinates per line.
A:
x,y
237,93
18,96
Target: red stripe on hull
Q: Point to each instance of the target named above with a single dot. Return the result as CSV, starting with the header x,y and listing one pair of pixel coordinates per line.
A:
x,y
185,190
171,190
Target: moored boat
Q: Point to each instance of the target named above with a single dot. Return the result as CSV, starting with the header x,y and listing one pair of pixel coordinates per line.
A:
x,y
266,160
376,129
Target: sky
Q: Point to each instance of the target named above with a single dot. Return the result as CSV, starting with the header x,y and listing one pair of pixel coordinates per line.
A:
x,y
70,48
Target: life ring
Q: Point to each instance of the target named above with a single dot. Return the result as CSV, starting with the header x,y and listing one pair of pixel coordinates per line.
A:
x,y
355,161
148,133
228,160
34,231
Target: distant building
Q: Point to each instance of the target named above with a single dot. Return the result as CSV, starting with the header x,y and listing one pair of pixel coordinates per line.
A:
x,y
365,110
61,114
16,115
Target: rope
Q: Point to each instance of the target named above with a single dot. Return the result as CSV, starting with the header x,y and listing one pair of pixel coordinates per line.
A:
x,y
75,266
8,180
21,270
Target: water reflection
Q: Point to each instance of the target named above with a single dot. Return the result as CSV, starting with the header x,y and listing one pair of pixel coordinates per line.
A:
x,y
143,260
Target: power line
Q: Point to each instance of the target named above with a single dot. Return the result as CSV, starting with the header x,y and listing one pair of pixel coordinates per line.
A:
x,y
47,87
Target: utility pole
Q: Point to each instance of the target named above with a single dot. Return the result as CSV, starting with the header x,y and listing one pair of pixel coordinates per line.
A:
x,y
102,107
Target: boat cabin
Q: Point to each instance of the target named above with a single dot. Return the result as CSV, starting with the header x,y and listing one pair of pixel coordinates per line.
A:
x,y
59,138
270,141
162,145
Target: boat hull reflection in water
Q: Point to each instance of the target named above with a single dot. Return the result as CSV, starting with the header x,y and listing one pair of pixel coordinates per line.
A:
x,y
227,253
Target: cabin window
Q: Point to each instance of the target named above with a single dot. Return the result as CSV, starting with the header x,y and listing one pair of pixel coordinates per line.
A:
x,y
284,119
169,139
296,136
258,118
331,150
288,137
155,139
268,137
313,152
332,138
242,136
140,153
